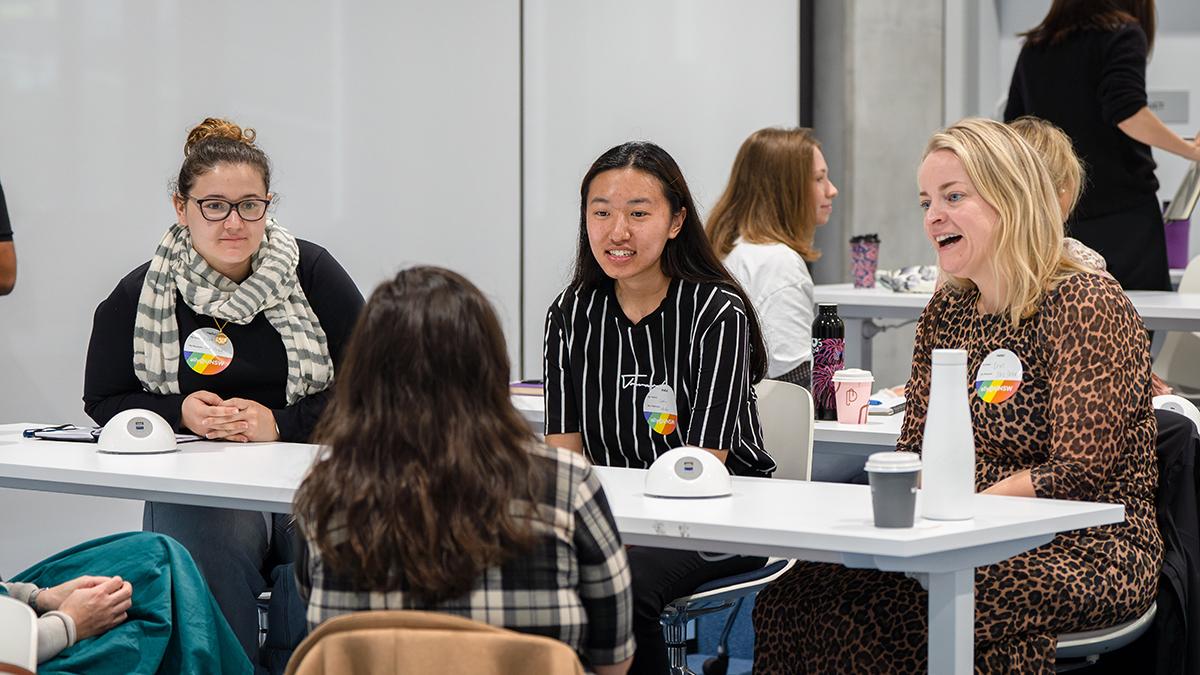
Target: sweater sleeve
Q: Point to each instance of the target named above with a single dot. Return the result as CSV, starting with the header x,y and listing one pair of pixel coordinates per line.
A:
x,y
1122,89
56,632
336,301
109,383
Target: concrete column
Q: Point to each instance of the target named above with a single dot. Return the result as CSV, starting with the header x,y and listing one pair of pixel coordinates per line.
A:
x,y
878,97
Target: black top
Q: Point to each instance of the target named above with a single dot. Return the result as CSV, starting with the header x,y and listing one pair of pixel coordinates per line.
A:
x,y
1086,85
680,376
259,368
5,225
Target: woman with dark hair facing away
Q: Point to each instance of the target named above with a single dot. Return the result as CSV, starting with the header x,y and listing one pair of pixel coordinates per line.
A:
x,y
434,493
1078,425
233,332
1083,68
653,346
763,225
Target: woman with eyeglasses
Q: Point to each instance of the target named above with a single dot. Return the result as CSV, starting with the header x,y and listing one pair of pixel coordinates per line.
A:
x,y
233,332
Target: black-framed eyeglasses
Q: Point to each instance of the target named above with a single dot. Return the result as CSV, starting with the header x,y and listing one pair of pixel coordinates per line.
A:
x,y
216,210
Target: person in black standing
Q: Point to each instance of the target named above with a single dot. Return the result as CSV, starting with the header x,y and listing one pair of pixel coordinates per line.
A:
x,y
8,254
1084,70
651,347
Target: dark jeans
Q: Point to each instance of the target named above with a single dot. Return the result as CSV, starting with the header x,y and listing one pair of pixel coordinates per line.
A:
x,y
233,552
659,576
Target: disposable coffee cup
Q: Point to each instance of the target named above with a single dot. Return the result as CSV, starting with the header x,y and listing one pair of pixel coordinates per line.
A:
x,y
852,389
893,478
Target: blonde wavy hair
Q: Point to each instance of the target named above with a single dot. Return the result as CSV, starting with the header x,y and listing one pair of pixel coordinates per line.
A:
x,y
1057,151
1010,175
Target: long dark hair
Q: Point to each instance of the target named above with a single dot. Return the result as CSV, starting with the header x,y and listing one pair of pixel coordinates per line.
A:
x,y
1067,16
426,452
689,256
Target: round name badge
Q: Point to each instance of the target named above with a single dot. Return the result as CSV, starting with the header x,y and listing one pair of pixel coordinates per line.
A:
x,y
659,409
204,355
999,376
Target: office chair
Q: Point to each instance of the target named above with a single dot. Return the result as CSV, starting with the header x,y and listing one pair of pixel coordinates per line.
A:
x,y
1178,362
401,642
18,646
1078,650
785,411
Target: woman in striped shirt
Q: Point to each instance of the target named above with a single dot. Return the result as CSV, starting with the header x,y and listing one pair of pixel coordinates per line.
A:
x,y
653,346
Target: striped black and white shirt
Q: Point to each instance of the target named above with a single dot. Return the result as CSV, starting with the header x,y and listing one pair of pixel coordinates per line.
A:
x,y
680,376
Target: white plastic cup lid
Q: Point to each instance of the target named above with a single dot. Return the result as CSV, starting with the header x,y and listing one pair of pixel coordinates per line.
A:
x,y
950,357
853,375
893,462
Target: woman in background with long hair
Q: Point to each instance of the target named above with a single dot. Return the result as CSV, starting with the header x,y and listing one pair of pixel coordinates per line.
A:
x,y
779,192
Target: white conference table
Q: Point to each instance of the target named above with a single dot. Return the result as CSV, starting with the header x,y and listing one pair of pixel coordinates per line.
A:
x,y
251,476
832,522
1160,310
880,431
820,522
839,450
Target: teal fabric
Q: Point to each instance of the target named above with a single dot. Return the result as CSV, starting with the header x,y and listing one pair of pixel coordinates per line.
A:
x,y
174,625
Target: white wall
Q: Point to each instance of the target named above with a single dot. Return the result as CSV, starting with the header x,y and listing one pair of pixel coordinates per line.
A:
x,y
694,76
393,127
395,130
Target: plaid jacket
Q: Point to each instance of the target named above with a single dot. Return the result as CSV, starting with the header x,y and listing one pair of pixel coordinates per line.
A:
x,y
574,586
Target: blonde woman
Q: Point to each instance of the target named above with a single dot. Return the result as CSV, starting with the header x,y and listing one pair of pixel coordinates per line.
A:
x,y
779,192
1079,426
1066,174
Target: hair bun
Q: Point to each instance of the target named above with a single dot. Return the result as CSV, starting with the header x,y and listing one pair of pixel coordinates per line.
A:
x,y
214,128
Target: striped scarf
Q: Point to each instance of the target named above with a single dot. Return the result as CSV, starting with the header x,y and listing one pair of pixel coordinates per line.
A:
x,y
272,288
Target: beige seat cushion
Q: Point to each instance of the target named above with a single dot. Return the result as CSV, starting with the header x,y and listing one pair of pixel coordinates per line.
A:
x,y
426,642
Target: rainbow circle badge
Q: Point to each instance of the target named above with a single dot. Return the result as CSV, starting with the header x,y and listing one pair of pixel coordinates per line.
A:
x,y
999,376
659,409
202,353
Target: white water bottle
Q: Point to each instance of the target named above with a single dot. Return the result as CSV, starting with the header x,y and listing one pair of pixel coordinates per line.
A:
x,y
948,449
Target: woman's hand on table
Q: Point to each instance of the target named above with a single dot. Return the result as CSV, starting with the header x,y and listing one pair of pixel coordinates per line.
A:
x,y
97,605
1020,484
256,420
1158,387
236,419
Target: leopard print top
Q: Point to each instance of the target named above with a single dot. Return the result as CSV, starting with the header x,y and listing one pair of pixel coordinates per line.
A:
x,y
1081,419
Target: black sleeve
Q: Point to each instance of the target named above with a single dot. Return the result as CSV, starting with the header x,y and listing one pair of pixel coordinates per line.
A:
x,y
562,413
1015,107
109,383
336,301
5,223
1122,90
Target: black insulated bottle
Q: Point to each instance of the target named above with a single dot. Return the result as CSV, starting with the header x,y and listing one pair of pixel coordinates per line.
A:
x,y
829,356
